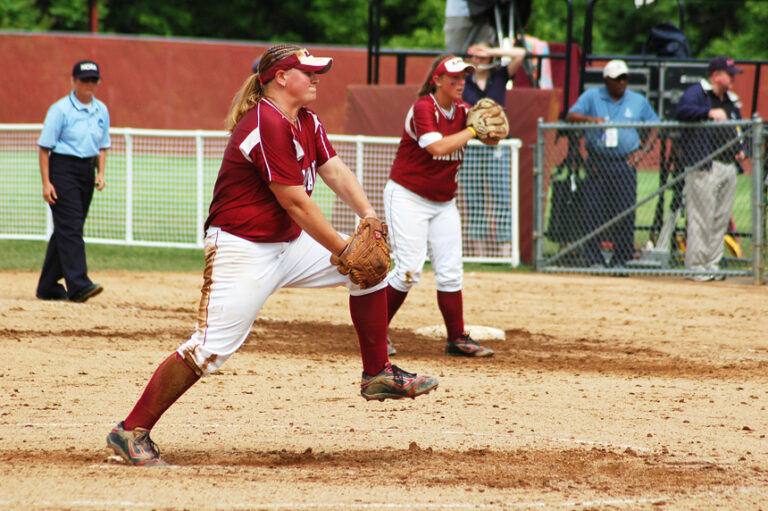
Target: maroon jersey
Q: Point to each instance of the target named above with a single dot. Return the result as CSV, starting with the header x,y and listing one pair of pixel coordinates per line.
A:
x,y
265,147
432,177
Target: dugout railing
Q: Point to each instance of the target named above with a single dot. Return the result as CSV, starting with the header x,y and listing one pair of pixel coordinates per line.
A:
x,y
160,182
568,233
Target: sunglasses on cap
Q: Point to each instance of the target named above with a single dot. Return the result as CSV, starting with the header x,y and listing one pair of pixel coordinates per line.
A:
x,y
90,79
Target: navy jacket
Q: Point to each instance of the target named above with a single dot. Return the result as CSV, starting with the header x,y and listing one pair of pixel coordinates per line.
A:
x,y
697,143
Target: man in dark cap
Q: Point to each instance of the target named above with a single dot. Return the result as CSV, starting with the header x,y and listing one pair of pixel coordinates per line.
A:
x,y
710,189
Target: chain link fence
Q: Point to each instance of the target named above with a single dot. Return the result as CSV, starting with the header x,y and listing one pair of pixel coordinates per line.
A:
x,y
651,198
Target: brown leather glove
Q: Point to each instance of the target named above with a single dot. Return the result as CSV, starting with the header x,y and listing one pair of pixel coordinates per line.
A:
x,y
488,120
366,257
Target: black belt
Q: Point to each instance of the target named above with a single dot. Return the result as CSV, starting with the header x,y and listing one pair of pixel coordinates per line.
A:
x,y
90,159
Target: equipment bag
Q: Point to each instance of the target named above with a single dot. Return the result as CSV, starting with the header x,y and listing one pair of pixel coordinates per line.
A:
x,y
667,40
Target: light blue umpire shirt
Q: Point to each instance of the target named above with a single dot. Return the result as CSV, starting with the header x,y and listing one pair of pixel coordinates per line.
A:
x,y
632,107
75,129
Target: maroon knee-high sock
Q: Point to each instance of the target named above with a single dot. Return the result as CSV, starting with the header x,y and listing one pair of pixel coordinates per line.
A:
x,y
369,315
171,379
452,309
395,299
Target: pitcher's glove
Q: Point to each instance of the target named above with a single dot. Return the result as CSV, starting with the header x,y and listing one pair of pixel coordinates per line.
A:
x,y
488,120
366,257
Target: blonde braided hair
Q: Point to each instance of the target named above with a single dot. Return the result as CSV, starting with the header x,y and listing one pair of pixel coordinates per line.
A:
x,y
252,90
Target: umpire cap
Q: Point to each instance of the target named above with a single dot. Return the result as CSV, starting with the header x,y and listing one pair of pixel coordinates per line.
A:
x,y
86,69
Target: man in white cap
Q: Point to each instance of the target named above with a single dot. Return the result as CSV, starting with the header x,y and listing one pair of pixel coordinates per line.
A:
x,y
610,186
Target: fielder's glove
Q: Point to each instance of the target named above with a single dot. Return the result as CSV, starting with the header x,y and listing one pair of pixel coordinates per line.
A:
x,y
366,257
488,120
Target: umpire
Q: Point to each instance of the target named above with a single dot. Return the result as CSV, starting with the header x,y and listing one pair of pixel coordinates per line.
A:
x,y
74,141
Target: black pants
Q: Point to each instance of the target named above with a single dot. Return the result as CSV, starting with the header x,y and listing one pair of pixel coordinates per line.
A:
x,y
610,188
73,179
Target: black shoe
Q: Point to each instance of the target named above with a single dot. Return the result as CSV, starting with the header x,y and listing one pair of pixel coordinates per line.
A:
x,y
87,292
57,293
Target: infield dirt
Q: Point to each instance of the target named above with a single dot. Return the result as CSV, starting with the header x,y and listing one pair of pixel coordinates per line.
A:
x,y
608,393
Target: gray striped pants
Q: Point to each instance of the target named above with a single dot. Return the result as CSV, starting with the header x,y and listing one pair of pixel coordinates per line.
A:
x,y
709,196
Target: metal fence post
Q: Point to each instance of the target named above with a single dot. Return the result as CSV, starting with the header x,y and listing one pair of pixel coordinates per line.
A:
x,y
758,201
514,195
200,207
538,210
359,161
128,185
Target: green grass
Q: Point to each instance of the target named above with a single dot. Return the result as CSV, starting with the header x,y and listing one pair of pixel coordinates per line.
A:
x,y
492,267
647,184
164,201
29,255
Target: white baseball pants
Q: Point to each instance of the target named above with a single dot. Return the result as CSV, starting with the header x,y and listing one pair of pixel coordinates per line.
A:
x,y
239,276
418,227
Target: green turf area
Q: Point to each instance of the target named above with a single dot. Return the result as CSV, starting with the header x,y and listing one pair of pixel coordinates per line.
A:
x,y
29,255
491,267
647,184
164,199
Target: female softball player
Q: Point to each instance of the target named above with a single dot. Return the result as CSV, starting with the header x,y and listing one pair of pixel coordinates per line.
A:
x,y
420,199
264,233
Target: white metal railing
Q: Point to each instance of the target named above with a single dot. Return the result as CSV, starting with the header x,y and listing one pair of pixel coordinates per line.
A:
x,y
159,185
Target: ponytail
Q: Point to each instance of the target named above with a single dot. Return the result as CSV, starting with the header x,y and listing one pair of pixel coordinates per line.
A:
x,y
251,92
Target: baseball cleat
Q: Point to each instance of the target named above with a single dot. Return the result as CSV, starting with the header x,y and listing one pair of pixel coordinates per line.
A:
x,y
391,350
464,346
394,383
135,447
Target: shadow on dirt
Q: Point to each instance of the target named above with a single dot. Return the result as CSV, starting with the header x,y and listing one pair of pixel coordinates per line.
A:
x,y
521,349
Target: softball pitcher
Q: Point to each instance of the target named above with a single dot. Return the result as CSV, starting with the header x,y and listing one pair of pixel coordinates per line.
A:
x,y
420,199
264,233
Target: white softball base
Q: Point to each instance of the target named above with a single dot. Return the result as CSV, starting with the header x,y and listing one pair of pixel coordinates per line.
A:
x,y
477,332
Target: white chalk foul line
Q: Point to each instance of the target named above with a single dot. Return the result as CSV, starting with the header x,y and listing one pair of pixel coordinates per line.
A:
x,y
94,503
494,504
